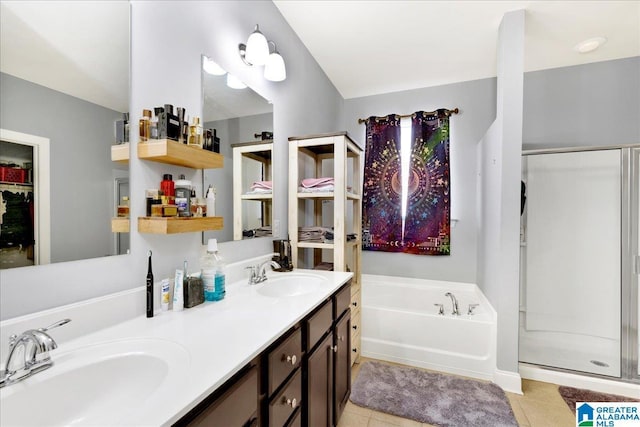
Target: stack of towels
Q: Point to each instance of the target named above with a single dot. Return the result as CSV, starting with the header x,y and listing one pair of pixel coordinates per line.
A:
x,y
261,187
314,234
316,185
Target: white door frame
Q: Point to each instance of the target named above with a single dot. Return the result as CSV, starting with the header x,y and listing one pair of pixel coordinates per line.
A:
x,y
41,193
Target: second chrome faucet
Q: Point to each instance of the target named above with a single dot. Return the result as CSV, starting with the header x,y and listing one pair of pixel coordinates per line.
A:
x,y
259,272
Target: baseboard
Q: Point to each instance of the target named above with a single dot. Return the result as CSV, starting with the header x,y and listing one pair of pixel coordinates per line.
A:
x,y
509,381
601,385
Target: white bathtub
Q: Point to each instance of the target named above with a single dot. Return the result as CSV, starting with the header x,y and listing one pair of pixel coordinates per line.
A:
x,y
401,324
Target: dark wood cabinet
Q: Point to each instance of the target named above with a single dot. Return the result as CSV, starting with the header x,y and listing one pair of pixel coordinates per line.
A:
x,y
233,404
302,379
328,364
342,369
319,410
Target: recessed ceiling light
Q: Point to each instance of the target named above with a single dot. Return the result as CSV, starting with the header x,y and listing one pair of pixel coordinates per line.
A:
x,y
589,45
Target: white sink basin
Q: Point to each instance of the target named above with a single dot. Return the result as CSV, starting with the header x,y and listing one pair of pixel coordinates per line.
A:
x,y
291,285
94,384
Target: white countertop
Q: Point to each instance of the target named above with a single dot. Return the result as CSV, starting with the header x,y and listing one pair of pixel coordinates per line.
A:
x,y
214,341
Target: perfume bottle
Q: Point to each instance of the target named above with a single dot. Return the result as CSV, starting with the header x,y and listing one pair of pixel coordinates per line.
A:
x,y
145,125
195,133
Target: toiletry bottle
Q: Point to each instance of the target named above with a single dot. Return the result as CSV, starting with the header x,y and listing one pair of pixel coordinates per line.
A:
x,y
149,289
213,273
153,134
164,300
183,196
211,201
167,186
178,291
145,125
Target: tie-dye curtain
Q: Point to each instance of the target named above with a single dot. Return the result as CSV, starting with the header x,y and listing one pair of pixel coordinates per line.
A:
x,y
381,216
427,223
425,229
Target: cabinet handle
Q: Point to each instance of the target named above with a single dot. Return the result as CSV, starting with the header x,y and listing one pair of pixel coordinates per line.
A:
x,y
334,348
355,350
289,359
355,327
355,303
340,338
290,402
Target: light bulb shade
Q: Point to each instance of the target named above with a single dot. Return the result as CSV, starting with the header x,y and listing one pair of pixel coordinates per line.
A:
x,y
235,83
257,48
210,67
275,70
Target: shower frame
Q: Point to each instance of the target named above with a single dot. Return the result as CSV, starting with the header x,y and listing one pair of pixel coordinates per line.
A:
x,y
630,258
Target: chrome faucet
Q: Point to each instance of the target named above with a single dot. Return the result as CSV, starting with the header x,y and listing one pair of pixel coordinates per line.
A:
x,y
454,303
29,354
259,272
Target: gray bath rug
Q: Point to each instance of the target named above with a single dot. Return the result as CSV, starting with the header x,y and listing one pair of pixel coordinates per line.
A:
x,y
438,399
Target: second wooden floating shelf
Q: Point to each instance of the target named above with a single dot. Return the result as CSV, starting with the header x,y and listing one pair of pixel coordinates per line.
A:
x,y
175,153
174,225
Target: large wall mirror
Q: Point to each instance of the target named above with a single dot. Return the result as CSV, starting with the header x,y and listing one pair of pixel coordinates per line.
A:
x,y
243,122
64,83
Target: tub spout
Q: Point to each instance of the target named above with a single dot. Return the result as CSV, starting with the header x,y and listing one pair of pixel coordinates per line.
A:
x,y
454,303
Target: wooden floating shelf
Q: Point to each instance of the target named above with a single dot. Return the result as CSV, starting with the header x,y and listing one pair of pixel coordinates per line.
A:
x,y
120,153
175,153
120,225
325,195
173,225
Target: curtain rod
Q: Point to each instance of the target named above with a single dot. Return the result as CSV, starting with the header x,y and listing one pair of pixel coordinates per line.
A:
x,y
446,112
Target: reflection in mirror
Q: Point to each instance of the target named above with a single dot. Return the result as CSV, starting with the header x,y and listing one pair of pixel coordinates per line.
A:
x,y
242,119
64,80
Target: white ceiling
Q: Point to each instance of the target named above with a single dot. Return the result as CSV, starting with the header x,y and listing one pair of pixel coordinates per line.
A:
x,y
365,47
79,48
373,47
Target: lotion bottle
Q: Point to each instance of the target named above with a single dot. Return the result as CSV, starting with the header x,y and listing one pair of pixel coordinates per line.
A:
x,y
211,201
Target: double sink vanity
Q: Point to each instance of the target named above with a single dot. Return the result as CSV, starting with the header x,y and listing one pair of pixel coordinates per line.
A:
x,y
276,353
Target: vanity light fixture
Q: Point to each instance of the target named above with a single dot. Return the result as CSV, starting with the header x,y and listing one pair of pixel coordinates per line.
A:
x,y
589,45
211,67
257,52
274,69
235,83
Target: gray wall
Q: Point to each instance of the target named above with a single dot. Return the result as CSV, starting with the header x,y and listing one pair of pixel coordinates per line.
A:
x,y
477,103
584,105
82,187
305,103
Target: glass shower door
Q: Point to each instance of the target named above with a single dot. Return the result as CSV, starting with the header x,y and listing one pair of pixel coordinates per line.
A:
x,y
570,311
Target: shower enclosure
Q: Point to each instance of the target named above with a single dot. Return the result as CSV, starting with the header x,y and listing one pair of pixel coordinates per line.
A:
x,y
579,260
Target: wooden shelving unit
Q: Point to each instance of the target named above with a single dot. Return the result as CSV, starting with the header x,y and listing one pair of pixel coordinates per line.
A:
x,y
261,152
173,225
338,156
120,225
120,153
175,153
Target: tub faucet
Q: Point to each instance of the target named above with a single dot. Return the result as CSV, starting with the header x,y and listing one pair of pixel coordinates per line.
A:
x,y
29,354
259,272
454,303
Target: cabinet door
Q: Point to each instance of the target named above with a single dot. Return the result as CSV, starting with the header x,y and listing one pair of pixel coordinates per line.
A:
x,y
320,385
238,406
342,371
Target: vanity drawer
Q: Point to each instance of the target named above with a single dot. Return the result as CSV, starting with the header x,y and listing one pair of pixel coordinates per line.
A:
x,y
319,323
235,407
355,348
343,300
286,402
355,301
283,359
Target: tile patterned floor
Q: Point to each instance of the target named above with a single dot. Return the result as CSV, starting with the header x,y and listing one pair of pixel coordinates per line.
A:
x,y
540,406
